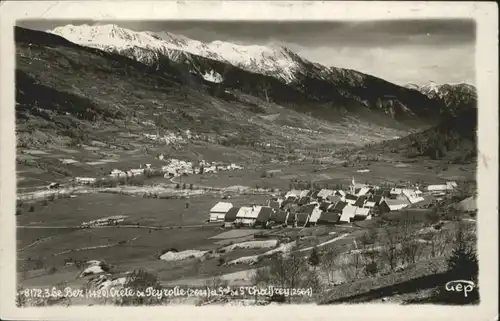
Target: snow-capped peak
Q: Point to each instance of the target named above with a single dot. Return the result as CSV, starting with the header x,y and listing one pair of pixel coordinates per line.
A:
x,y
103,35
431,87
268,60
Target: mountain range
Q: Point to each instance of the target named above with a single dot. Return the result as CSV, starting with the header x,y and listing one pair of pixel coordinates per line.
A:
x,y
85,83
456,97
273,72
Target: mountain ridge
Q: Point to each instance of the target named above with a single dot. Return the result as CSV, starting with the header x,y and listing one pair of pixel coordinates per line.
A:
x,y
303,81
455,96
251,58
72,90
73,96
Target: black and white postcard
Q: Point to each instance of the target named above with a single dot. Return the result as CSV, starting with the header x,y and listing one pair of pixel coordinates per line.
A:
x,y
303,159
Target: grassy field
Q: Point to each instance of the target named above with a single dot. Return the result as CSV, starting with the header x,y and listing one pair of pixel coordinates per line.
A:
x,y
279,176
138,248
145,211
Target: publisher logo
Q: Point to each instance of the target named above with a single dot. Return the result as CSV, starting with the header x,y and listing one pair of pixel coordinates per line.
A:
x,y
460,286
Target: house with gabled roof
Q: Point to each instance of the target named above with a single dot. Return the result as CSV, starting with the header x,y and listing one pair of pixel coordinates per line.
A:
x,y
333,199
291,207
348,213
304,193
314,195
363,191
388,205
230,216
302,219
263,216
288,201
324,205
315,215
303,201
370,203
274,204
219,211
396,190
399,197
384,192
338,207
412,196
376,199
280,217
293,193
441,187
247,215
362,214
351,198
340,193
360,202
312,210
328,218
291,219
468,205
324,193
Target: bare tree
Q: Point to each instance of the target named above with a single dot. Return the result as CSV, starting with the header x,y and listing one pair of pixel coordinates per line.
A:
x,y
390,245
329,264
439,241
411,249
287,271
352,269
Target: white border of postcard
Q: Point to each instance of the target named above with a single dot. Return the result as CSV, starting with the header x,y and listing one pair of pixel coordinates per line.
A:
x,y
484,13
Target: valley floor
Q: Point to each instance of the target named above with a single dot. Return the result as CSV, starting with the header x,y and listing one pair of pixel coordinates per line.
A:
x,y
50,239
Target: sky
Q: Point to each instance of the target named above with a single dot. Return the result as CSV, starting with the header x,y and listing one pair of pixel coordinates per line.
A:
x,y
400,51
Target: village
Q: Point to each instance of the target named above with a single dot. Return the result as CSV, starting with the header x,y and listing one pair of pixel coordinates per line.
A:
x,y
173,168
303,208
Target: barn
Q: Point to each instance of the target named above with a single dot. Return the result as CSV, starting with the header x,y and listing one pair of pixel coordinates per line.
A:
x,y
219,211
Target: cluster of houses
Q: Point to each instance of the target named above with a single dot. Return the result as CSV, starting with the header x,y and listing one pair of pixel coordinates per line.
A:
x,y
170,137
173,168
177,167
116,173
301,208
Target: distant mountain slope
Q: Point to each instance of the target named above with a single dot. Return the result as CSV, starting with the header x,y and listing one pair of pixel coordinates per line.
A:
x,y
456,97
454,140
455,137
274,73
69,94
65,90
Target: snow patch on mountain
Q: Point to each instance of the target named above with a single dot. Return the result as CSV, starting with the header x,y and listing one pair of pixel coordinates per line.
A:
x,y
274,61
433,90
431,87
213,76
